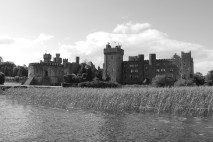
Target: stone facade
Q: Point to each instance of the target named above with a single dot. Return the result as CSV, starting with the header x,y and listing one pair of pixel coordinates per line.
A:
x,y
46,73
49,72
113,58
136,69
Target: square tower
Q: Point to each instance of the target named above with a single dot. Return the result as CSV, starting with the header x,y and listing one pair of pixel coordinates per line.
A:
x,y
113,58
187,65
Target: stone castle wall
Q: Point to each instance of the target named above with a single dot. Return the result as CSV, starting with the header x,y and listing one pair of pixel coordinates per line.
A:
x,y
49,72
46,73
113,58
136,70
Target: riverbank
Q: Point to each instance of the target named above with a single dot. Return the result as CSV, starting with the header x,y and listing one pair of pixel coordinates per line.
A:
x,y
195,101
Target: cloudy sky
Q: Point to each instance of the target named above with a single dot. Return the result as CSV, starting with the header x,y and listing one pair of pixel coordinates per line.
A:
x,y
30,28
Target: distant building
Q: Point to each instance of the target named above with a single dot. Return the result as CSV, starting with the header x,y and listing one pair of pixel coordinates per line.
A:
x,y
49,72
136,69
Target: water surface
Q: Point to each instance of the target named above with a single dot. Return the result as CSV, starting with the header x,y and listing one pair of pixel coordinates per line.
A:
x,y
23,123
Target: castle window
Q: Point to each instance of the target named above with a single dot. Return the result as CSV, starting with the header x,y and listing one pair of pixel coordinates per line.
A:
x,y
46,73
132,70
136,70
163,70
131,65
158,70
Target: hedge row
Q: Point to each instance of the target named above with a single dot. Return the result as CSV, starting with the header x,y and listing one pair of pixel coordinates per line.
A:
x,y
98,84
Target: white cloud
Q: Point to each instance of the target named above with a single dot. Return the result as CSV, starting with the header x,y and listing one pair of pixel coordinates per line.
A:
x,y
6,40
22,50
43,37
131,28
136,39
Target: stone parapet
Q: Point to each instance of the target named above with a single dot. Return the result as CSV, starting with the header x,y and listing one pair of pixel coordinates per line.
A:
x,y
45,64
113,50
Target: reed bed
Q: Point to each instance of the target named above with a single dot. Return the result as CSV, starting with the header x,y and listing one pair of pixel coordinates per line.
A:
x,y
196,101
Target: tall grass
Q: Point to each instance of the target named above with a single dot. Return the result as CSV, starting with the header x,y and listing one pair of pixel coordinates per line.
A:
x,y
197,101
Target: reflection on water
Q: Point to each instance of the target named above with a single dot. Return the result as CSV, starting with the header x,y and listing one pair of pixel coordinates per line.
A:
x,y
29,123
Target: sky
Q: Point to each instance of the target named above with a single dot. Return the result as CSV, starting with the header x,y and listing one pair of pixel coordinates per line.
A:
x,y
30,28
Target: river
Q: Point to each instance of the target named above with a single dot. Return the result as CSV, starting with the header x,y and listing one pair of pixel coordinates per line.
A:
x,y
25,123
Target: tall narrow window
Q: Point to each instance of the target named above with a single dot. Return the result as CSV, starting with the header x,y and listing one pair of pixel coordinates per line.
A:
x,y
46,73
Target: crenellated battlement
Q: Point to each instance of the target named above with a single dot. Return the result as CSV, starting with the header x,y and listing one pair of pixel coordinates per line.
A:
x,y
46,64
163,60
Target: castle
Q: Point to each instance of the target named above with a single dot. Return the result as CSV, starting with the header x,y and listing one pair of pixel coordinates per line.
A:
x,y
49,72
136,69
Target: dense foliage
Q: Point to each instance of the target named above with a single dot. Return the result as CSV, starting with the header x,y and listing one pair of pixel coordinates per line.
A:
x,y
98,84
209,78
86,72
10,69
7,68
199,79
184,82
162,81
2,78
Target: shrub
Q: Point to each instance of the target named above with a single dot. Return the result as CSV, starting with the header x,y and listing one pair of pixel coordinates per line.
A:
x,y
184,82
2,78
23,80
199,79
146,81
17,78
68,78
209,78
162,81
98,84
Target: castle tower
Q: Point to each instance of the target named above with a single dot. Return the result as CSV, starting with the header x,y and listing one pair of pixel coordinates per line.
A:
x,y
141,68
65,62
77,60
152,64
187,65
113,58
58,59
47,58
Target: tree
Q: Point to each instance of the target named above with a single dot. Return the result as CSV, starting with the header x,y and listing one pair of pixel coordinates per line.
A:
x,y
162,81
20,71
7,68
209,78
146,81
199,79
1,59
98,74
2,78
184,82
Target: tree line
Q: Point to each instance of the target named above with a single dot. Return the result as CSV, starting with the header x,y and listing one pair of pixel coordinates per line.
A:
x,y
10,69
198,79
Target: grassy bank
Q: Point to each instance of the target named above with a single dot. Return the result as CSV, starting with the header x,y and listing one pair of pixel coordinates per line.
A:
x,y
196,101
